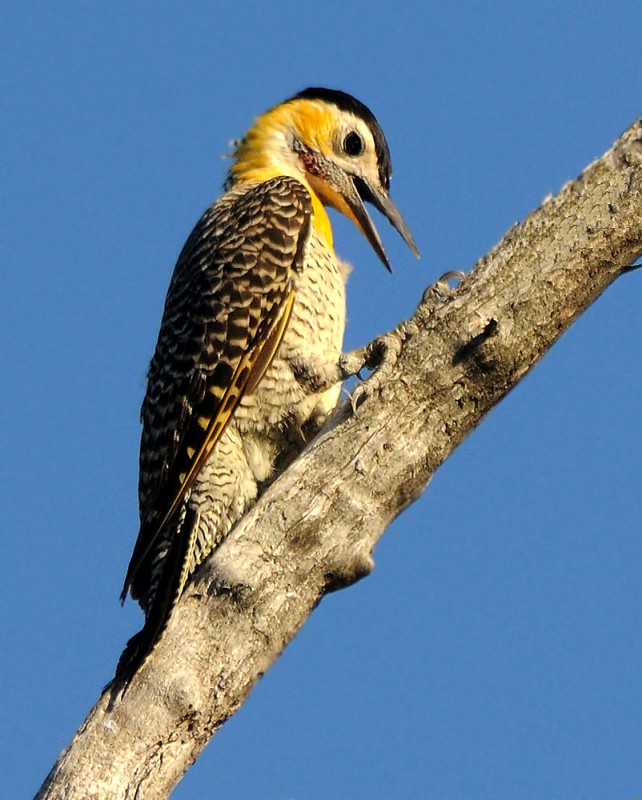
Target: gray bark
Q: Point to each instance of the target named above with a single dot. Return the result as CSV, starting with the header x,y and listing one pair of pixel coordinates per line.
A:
x,y
315,528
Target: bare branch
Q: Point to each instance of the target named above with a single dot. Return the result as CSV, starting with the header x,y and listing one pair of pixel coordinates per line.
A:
x,y
314,530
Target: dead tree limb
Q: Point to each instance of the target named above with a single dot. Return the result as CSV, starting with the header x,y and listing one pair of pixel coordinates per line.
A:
x,y
315,528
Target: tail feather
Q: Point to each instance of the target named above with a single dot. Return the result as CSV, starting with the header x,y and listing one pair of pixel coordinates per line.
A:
x,y
168,589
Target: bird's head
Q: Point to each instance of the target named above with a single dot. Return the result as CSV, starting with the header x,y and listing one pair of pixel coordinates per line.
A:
x,y
332,143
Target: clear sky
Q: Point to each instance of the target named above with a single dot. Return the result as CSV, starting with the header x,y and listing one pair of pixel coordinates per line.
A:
x,y
495,651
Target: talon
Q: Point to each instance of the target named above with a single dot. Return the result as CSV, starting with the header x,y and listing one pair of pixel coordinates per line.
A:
x,y
441,288
357,397
452,275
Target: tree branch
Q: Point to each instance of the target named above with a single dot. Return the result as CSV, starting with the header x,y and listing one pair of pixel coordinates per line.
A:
x,y
315,528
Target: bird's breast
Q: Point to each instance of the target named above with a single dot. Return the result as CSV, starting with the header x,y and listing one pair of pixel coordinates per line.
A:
x,y
313,339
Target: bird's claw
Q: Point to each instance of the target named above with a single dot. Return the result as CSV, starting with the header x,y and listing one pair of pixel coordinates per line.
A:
x,y
381,356
441,289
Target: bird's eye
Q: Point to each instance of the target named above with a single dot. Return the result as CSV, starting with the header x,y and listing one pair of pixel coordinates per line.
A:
x,y
353,144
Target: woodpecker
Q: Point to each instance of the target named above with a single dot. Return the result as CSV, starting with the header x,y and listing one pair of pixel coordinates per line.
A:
x,y
250,341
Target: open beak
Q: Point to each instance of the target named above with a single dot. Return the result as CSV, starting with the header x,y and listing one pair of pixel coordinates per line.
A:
x,y
365,192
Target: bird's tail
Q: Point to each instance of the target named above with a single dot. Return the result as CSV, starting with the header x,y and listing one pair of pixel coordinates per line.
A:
x,y
168,589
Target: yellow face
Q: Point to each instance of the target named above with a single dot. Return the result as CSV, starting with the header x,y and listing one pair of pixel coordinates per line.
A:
x,y
333,152
268,149
347,143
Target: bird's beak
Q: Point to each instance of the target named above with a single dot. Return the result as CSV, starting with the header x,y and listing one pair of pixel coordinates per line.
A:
x,y
365,191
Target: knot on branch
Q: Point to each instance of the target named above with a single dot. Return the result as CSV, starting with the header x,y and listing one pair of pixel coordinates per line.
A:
x,y
348,568
472,348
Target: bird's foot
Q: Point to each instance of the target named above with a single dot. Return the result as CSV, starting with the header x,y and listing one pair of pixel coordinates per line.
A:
x,y
380,355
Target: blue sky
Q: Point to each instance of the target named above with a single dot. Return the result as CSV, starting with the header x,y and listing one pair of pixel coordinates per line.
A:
x,y
495,651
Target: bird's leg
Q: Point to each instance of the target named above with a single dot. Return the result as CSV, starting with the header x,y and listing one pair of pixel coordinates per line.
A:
x,y
351,364
314,374
317,376
381,356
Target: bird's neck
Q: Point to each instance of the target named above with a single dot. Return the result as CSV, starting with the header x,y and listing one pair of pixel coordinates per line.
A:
x,y
265,152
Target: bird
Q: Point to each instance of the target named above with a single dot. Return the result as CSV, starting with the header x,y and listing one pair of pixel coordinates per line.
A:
x,y
250,342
